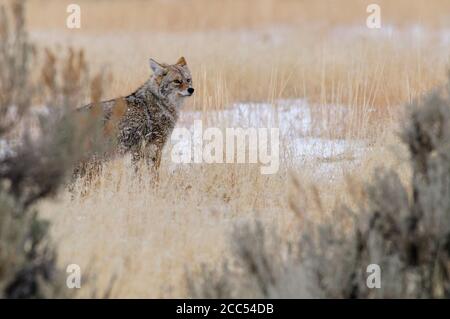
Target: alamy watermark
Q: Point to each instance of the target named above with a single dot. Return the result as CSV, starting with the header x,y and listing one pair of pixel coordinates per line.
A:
x,y
73,20
74,276
232,146
374,19
374,278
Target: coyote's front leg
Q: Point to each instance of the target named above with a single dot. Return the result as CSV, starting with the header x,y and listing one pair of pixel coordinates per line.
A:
x,y
152,156
158,156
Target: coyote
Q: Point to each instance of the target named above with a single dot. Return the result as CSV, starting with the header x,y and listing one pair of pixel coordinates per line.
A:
x,y
151,112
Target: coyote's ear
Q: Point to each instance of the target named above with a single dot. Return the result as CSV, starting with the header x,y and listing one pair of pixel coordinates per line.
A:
x,y
181,61
156,67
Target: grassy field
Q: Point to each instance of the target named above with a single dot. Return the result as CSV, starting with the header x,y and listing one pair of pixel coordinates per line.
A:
x,y
138,239
321,51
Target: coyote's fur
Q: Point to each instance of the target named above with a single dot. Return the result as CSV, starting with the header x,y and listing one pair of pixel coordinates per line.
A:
x,y
151,112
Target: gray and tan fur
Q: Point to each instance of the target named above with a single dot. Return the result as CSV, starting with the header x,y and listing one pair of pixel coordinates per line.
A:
x,y
151,111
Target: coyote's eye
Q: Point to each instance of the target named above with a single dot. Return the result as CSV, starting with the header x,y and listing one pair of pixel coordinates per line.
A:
x,y
188,80
177,82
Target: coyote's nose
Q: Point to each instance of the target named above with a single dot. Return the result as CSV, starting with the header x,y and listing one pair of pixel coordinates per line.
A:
x,y
191,90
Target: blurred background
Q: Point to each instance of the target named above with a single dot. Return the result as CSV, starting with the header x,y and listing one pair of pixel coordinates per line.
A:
x,y
260,50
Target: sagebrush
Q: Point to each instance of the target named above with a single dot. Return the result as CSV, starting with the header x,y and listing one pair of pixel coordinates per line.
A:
x,y
402,227
39,150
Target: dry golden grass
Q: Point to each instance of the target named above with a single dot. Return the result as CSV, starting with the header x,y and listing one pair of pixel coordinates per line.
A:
x,y
146,236
262,50
149,236
133,239
202,15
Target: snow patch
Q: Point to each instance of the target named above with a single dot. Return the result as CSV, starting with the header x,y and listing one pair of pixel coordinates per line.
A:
x,y
298,144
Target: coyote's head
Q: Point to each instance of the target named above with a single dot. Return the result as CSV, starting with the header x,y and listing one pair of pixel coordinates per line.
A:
x,y
173,82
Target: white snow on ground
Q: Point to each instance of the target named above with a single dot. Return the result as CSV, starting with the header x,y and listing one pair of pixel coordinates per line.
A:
x,y
287,115
298,143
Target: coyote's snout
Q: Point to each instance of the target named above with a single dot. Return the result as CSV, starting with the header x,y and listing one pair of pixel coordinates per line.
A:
x,y
150,113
